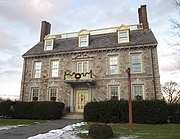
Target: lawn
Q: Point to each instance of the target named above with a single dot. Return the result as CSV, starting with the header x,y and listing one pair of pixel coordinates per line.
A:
x,y
142,131
4,122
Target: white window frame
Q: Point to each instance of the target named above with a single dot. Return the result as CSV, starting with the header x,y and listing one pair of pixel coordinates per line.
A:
x,y
54,68
118,87
81,43
133,94
113,65
37,71
139,54
50,93
32,93
82,63
123,39
48,47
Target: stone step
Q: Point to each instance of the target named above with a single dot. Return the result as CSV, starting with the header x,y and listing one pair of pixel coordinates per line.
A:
x,y
73,116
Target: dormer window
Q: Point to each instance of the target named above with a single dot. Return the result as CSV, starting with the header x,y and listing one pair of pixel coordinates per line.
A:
x,y
83,38
83,41
123,34
49,42
48,45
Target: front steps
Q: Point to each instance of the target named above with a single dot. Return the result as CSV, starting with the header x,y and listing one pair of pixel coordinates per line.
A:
x,y
73,116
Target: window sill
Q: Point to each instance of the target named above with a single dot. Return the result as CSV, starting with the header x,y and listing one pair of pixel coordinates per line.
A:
x,y
54,77
123,42
36,78
133,73
83,46
113,74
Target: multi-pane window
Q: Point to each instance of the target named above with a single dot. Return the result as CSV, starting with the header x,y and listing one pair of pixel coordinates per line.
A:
x,y
54,68
114,92
113,65
37,69
48,45
53,93
83,41
35,94
82,67
136,62
138,91
123,36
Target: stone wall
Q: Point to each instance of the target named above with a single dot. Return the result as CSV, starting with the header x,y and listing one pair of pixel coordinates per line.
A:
x,y
98,62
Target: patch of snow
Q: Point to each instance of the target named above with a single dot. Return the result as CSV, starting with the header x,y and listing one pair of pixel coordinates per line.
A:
x,y
9,127
130,137
68,132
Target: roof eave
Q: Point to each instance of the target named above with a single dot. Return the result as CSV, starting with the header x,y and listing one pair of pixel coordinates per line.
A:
x,y
92,49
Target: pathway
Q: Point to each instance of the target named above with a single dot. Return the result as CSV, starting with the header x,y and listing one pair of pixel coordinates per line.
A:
x,y
31,130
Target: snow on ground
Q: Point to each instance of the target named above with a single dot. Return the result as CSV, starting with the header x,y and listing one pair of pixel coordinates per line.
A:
x,y
130,137
9,127
68,132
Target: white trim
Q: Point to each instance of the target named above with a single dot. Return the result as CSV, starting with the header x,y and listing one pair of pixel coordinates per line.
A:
x,y
143,96
127,37
51,61
82,62
33,69
141,61
52,44
108,59
49,92
113,83
37,92
99,31
86,41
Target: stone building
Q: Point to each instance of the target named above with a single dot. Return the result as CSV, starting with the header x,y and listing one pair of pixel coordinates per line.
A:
x,y
90,65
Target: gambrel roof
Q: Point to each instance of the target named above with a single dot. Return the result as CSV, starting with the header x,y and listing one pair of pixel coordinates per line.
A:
x,y
100,41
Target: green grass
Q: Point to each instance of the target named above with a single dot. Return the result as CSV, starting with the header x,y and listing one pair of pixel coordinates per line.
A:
x,y
19,122
142,131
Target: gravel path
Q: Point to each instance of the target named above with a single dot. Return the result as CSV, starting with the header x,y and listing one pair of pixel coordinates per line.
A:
x,y
31,130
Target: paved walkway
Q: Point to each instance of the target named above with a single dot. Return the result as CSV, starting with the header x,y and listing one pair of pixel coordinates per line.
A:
x,y
31,130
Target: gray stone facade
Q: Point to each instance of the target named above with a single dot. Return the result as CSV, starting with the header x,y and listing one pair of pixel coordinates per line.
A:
x,y
99,65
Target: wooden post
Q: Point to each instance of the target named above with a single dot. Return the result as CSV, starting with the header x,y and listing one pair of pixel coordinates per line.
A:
x,y
129,100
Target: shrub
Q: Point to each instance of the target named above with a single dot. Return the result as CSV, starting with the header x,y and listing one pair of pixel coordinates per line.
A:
x,y
173,113
91,111
100,131
149,112
32,110
5,108
106,111
144,112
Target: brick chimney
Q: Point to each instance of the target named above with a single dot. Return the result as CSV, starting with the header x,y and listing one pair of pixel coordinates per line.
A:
x,y
143,16
45,30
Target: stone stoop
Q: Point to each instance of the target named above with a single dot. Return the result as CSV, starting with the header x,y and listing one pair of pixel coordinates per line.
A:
x,y
73,116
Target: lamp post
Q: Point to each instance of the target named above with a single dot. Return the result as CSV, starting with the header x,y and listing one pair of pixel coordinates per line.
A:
x,y
129,99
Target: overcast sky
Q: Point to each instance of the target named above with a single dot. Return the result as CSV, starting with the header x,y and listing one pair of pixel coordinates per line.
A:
x,y
20,22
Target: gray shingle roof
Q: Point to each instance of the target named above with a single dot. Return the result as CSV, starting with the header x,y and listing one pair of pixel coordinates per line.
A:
x,y
109,40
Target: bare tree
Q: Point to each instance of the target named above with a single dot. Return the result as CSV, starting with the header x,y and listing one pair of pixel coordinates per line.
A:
x,y
176,33
171,92
176,25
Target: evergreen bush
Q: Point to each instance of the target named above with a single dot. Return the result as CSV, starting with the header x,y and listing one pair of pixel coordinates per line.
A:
x,y
173,113
100,131
149,112
144,112
32,110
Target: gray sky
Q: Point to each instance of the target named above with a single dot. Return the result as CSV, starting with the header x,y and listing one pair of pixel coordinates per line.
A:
x,y
20,28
